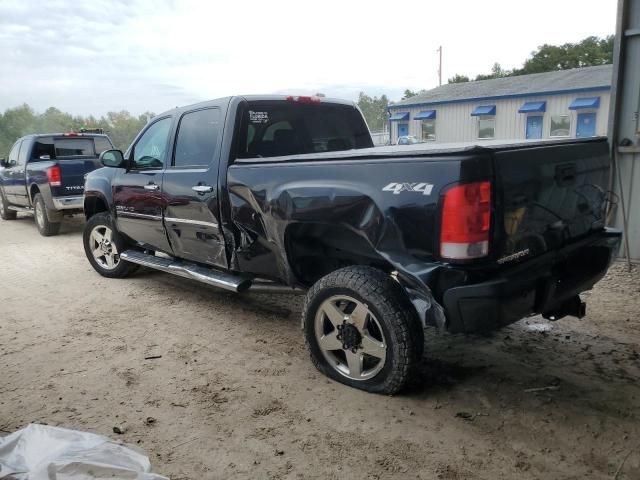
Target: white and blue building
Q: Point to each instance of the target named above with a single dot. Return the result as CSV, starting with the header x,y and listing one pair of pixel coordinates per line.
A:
x,y
561,104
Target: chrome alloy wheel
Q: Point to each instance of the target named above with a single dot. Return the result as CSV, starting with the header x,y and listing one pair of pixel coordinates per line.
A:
x,y
350,337
103,249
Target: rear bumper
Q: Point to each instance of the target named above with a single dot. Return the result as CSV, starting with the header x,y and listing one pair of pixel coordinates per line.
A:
x,y
540,285
68,203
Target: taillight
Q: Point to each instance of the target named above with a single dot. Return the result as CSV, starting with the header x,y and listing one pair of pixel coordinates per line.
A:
x,y
54,176
71,134
466,219
303,99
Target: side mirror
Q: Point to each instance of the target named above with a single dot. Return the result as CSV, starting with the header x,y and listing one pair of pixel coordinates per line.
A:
x,y
112,158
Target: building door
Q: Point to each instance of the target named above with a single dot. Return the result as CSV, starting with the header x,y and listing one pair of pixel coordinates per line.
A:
x,y
586,125
403,129
534,126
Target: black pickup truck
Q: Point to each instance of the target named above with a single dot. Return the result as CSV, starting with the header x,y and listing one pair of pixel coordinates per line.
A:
x,y
287,194
44,176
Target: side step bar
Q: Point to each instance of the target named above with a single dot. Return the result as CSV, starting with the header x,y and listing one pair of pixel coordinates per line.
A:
x,y
20,209
227,281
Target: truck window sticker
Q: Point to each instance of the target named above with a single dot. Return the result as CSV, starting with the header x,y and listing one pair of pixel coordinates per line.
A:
x,y
258,117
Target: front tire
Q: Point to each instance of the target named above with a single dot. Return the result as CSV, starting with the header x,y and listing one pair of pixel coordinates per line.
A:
x,y
103,245
361,330
5,213
46,227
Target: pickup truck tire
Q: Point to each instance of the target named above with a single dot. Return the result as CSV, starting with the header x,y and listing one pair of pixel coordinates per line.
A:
x,y
5,213
103,244
361,330
46,227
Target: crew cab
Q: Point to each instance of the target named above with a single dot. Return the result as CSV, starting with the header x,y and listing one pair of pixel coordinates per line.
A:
x,y
44,176
287,194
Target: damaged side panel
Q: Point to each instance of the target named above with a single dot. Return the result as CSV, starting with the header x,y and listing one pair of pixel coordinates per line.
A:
x,y
299,221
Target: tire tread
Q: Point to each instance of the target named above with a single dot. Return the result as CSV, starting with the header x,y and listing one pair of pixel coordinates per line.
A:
x,y
387,295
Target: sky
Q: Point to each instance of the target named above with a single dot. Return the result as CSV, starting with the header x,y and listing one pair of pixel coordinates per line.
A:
x,y
91,57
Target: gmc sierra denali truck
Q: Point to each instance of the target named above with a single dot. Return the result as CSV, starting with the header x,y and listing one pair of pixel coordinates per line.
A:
x,y
287,194
44,176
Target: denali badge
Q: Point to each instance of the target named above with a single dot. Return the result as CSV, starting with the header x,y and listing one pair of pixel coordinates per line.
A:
x,y
514,256
397,188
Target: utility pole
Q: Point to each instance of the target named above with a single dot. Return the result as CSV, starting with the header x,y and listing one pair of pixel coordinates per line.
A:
x,y
440,66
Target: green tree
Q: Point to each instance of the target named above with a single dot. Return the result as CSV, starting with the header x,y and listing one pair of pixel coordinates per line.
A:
x,y
496,72
15,123
122,127
589,52
457,78
374,110
408,94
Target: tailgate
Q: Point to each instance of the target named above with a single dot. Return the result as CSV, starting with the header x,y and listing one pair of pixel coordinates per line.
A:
x,y
72,172
550,196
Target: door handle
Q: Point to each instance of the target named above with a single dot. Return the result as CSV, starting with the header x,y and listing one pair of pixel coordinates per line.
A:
x,y
151,186
202,188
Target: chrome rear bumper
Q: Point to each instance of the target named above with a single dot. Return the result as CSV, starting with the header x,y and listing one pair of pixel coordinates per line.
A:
x,y
68,203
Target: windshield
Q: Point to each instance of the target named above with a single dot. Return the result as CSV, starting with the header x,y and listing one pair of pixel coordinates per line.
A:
x,y
272,129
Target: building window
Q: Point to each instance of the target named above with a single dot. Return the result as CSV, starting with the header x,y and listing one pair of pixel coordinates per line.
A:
x,y
486,127
560,126
428,130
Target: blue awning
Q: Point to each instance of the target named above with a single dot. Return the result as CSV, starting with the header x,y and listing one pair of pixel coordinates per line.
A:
x,y
484,110
426,115
399,116
580,103
533,107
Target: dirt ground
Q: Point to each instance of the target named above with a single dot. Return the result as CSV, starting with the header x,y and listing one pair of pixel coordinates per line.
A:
x,y
234,395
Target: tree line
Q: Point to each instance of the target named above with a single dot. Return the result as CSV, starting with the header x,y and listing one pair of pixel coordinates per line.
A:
x,y
588,52
121,127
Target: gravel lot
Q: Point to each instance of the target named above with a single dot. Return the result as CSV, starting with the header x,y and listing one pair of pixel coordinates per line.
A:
x,y
233,394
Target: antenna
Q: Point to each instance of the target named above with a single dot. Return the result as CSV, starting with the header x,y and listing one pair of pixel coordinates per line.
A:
x,y
440,66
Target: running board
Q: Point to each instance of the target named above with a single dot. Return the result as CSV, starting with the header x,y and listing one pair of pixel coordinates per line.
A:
x,y
227,281
20,209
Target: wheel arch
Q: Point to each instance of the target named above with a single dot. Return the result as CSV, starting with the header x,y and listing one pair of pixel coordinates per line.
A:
x,y
318,249
34,189
93,205
315,250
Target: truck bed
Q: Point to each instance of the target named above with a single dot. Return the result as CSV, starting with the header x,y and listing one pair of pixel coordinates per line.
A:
x,y
424,150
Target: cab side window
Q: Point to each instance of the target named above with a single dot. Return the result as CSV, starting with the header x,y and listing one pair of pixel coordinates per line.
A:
x,y
197,138
22,156
151,149
13,154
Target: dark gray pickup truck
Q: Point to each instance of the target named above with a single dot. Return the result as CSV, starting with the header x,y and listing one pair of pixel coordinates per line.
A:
x,y
287,193
44,176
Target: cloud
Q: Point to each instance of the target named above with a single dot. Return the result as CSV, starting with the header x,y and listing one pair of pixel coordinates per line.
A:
x,y
109,55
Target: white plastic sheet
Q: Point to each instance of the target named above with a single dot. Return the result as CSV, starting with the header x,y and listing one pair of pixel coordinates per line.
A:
x,y
41,452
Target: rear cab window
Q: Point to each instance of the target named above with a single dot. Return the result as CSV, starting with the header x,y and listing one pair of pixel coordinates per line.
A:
x,y
277,128
50,148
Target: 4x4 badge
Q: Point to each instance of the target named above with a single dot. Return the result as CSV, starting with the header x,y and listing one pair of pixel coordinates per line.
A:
x,y
397,188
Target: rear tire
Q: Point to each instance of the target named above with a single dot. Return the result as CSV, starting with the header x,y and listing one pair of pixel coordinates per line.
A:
x,y
103,245
5,213
46,227
361,330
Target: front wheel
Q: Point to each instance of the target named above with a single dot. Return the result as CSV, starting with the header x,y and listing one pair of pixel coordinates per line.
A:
x,y
103,245
361,330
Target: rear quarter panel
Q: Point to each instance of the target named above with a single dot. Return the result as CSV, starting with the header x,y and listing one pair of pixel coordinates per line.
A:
x,y
373,198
